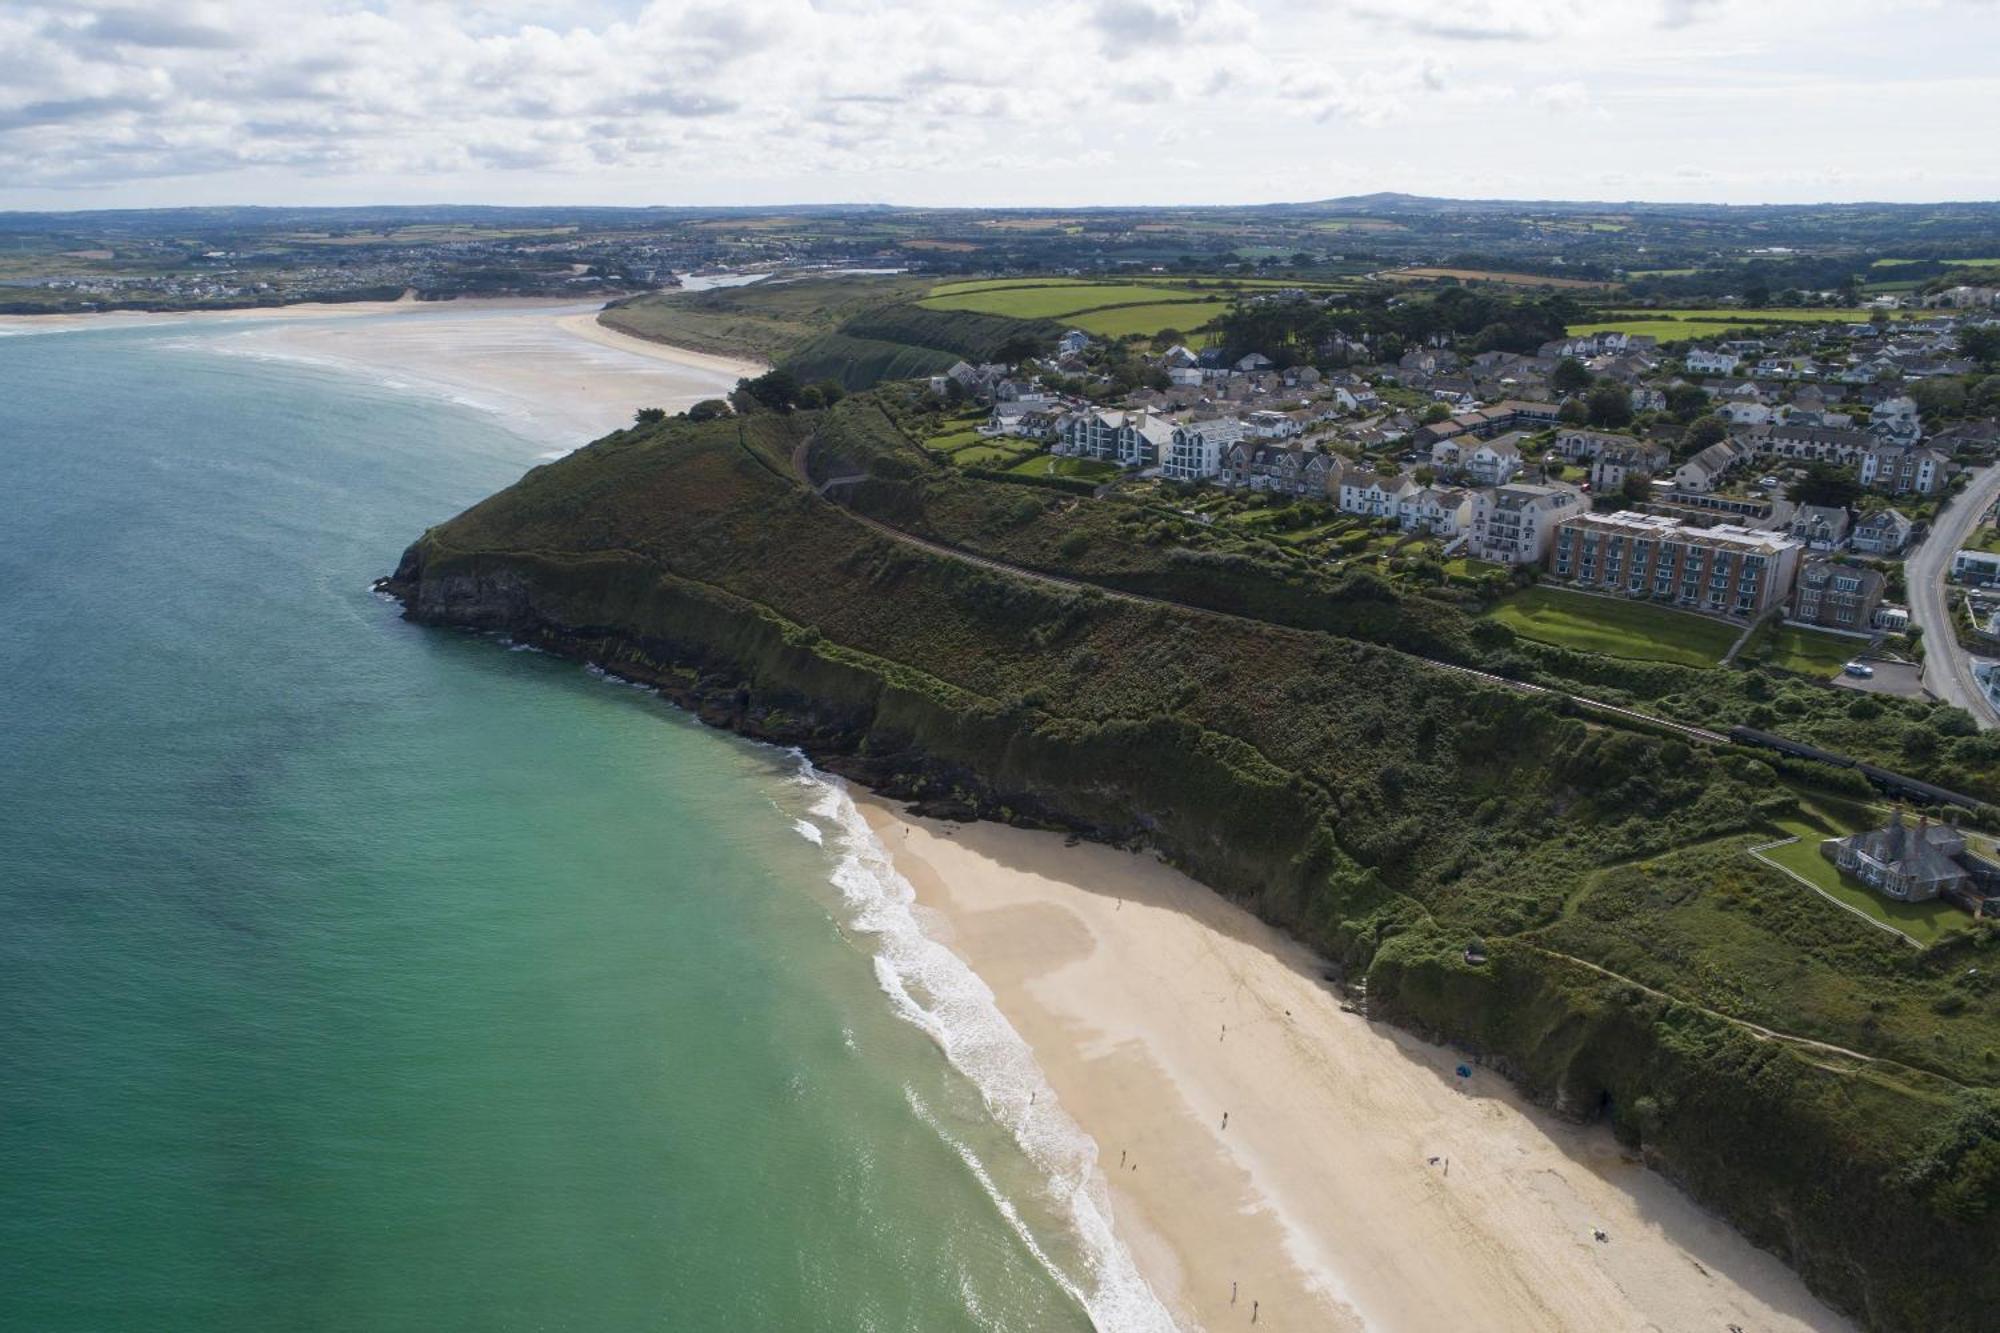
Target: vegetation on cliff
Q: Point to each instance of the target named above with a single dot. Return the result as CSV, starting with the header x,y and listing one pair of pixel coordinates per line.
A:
x,y
1819,1082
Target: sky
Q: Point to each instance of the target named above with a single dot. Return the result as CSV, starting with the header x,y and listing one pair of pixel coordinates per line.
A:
x,y
1032,103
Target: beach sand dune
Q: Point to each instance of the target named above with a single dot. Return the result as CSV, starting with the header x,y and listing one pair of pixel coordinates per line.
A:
x,y
1154,1007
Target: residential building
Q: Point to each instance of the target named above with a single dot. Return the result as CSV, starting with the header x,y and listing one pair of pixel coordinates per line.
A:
x,y
1819,527
1494,462
1977,567
1905,469
1512,525
1281,469
1440,510
1880,532
1130,439
1705,469
1838,596
1915,863
1374,495
1579,445
1621,462
1723,570
1194,450
1702,361
1808,444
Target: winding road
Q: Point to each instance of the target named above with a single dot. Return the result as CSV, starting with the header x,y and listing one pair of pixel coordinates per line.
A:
x,y
1948,667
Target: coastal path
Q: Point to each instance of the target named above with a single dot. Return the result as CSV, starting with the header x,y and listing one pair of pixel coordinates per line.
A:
x,y
801,465
1947,666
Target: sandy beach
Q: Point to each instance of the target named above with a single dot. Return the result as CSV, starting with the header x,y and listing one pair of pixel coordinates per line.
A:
x,y
547,368
1154,1007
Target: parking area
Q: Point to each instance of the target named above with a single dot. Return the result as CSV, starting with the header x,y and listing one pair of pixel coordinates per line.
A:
x,y
1901,678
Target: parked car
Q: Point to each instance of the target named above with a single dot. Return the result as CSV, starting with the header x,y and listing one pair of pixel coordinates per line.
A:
x,y
1861,669
1768,483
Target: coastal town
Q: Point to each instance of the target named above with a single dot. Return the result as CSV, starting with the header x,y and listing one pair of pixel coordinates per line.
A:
x,y
1784,477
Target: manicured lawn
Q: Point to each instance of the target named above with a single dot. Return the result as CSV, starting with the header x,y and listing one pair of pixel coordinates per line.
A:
x,y
989,455
1927,923
1148,320
1464,566
1048,465
958,438
1808,652
1984,539
1615,627
1053,301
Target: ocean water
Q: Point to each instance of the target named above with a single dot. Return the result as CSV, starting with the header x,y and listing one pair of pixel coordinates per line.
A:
x,y
358,976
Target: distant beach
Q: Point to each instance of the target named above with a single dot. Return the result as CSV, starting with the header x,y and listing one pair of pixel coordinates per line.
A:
x,y
1359,1182
548,367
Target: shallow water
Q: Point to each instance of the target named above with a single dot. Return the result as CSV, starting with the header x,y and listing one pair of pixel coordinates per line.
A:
x,y
359,976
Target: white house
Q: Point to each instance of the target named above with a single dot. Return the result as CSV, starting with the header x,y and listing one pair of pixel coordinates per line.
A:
x,y
1442,511
1194,451
1494,462
1702,361
1511,525
1373,495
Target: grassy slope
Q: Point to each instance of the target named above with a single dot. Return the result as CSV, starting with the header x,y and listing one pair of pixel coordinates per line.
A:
x,y
1616,627
1380,810
858,329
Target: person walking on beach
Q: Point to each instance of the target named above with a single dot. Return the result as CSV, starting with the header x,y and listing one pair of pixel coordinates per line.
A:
x,y
1232,1293
1225,1120
1253,1312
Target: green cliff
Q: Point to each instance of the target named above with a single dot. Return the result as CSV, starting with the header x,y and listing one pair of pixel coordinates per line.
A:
x,y
1824,1086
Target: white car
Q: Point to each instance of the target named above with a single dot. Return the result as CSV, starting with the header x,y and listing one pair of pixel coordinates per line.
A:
x,y
1861,669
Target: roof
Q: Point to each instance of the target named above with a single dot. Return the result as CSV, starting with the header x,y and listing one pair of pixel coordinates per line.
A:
x,y
1928,852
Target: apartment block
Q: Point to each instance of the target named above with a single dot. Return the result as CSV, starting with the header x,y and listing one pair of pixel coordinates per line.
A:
x,y
1723,570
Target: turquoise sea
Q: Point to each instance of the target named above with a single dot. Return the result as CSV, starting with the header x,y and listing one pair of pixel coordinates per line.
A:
x,y
357,976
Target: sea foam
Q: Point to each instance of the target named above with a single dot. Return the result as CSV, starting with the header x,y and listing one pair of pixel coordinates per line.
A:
x,y
932,988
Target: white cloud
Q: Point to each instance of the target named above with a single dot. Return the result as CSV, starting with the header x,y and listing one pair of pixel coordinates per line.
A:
x,y
982,101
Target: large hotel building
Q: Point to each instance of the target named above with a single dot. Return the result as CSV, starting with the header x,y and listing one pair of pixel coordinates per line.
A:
x,y
1723,570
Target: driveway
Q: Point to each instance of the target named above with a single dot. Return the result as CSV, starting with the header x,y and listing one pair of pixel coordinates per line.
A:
x,y
1947,668
1903,678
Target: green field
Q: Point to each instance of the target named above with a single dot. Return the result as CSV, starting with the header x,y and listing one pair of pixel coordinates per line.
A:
x,y
1927,923
1808,652
1054,301
1615,627
995,284
1048,465
1948,263
992,455
1680,325
1148,320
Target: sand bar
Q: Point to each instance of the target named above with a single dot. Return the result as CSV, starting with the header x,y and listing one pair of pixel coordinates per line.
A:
x,y
1154,1006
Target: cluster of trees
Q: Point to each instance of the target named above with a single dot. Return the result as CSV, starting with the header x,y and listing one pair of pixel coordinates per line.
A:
x,y
778,390
1300,331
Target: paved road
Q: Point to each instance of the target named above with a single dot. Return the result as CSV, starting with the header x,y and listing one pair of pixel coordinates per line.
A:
x,y
1947,667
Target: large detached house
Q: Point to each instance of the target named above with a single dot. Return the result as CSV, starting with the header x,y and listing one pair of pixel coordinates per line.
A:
x,y
1915,864
1820,527
1374,495
1880,532
1512,525
1842,597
